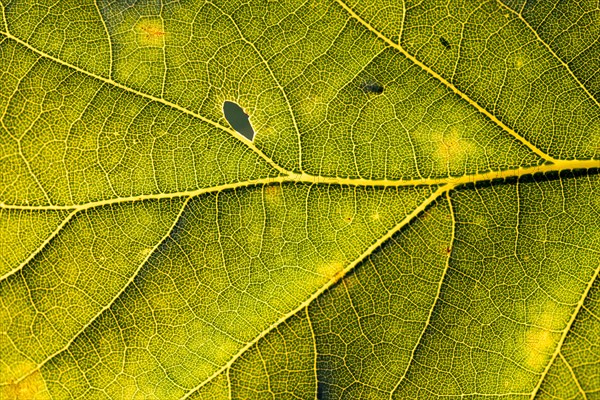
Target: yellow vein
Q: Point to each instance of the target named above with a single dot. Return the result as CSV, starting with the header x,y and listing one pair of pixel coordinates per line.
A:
x,y
270,70
4,20
562,357
314,340
167,103
565,332
110,49
377,244
559,166
564,64
42,245
435,300
111,302
32,174
229,385
164,51
437,76
157,196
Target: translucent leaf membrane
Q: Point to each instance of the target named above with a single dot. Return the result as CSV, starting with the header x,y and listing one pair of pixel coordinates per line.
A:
x,y
515,284
416,128
49,301
510,68
570,32
71,31
576,370
22,233
415,217
283,367
233,264
72,139
476,294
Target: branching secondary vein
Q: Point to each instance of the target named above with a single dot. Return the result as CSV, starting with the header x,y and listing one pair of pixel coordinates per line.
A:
x,y
377,244
150,97
449,85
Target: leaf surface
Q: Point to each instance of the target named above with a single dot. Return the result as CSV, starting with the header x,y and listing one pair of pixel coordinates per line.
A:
x,y
416,216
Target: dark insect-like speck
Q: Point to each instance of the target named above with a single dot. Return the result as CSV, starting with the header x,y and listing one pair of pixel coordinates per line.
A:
x,y
445,43
372,87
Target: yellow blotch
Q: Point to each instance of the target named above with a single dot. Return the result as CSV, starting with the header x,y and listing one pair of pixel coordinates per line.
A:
x,y
275,232
132,391
351,281
31,388
145,252
539,344
311,107
273,194
266,131
519,63
541,339
332,270
150,33
451,147
520,60
481,221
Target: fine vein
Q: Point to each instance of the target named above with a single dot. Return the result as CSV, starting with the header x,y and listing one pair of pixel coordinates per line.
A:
x,y
450,86
184,110
377,244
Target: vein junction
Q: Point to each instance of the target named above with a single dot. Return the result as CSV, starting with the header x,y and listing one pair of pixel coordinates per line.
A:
x,y
449,182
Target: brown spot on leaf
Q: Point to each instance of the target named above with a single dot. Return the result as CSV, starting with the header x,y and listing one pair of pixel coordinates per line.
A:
x,y
152,31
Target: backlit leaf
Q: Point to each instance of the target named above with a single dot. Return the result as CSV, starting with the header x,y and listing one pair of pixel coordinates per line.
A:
x,y
410,210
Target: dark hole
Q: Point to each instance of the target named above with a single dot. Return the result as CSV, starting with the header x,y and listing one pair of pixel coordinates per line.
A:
x,y
372,87
445,43
238,119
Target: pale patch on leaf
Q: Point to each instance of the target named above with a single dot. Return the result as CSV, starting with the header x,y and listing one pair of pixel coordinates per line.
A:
x,y
33,387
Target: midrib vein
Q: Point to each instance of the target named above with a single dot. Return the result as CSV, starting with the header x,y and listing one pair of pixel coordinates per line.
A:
x,y
449,85
559,166
167,103
446,184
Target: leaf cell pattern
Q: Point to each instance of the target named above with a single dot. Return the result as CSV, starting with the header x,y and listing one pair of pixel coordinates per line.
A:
x,y
416,216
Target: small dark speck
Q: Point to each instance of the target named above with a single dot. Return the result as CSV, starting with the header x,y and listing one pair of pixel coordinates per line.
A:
x,y
372,87
445,43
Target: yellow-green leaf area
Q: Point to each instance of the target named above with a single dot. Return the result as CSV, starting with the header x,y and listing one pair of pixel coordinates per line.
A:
x,y
415,217
22,233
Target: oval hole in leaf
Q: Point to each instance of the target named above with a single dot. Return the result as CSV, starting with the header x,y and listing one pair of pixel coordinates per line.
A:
x,y
238,119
